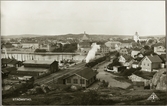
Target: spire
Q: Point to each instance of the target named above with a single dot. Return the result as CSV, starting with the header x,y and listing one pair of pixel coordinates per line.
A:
x,y
136,37
85,37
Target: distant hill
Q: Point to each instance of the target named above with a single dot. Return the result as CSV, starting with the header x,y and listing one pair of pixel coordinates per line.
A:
x,y
74,36
19,36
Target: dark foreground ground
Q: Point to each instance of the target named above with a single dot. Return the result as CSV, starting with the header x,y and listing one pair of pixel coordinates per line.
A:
x,y
102,96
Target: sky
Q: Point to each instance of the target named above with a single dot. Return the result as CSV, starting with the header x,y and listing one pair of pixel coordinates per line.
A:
x,y
93,17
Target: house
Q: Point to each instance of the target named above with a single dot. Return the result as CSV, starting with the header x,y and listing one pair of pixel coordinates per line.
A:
x,y
103,49
113,45
10,62
51,65
126,60
35,68
84,47
123,51
83,78
115,69
159,48
148,63
32,45
141,79
135,64
126,45
134,52
163,57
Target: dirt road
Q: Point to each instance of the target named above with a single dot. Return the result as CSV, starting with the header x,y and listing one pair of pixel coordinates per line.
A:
x,y
102,75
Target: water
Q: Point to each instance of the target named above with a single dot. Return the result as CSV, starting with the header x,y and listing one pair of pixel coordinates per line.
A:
x,y
57,57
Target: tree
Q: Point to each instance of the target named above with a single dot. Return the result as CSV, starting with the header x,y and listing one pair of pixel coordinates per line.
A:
x,y
146,47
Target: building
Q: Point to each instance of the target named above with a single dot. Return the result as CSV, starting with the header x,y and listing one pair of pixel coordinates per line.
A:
x,y
83,78
136,37
84,47
104,49
123,51
84,38
36,68
113,45
140,80
126,45
32,45
44,46
135,64
135,52
159,48
10,62
148,63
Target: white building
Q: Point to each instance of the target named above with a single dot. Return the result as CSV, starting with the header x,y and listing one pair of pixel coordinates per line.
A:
x,y
136,37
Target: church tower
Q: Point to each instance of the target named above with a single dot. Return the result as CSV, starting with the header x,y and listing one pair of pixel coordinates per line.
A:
x,y
85,38
136,37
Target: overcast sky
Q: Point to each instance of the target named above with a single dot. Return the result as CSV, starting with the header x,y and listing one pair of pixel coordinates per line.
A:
x,y
94,17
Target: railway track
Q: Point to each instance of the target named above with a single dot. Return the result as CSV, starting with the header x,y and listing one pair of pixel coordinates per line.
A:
x,y
55,76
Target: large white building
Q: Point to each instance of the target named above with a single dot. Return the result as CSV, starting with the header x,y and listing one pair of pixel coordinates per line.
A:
x,y
136,37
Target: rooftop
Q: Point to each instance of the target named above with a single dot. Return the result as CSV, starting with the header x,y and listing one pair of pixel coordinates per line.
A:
x,y
9,61
154,58
86,73
46,62
32,69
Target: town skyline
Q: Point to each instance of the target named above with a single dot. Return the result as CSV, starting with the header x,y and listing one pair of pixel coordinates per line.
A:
x,y
59,18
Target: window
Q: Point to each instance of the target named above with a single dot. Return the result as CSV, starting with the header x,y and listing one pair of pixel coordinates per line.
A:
x,y
75,81
144,64
68,80
82,81
148,64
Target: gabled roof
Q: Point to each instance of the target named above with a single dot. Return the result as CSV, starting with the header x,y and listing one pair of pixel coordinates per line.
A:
x,y
144,75
38,62
32,69
154,58
87,73
163,57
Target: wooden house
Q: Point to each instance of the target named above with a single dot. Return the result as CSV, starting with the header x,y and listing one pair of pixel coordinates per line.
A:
x,y
126,45
35,68
148,63
83,78
123,51
134,53
159,48
10,62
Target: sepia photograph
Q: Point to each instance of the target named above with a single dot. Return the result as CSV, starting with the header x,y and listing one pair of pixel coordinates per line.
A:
x,y
83,53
